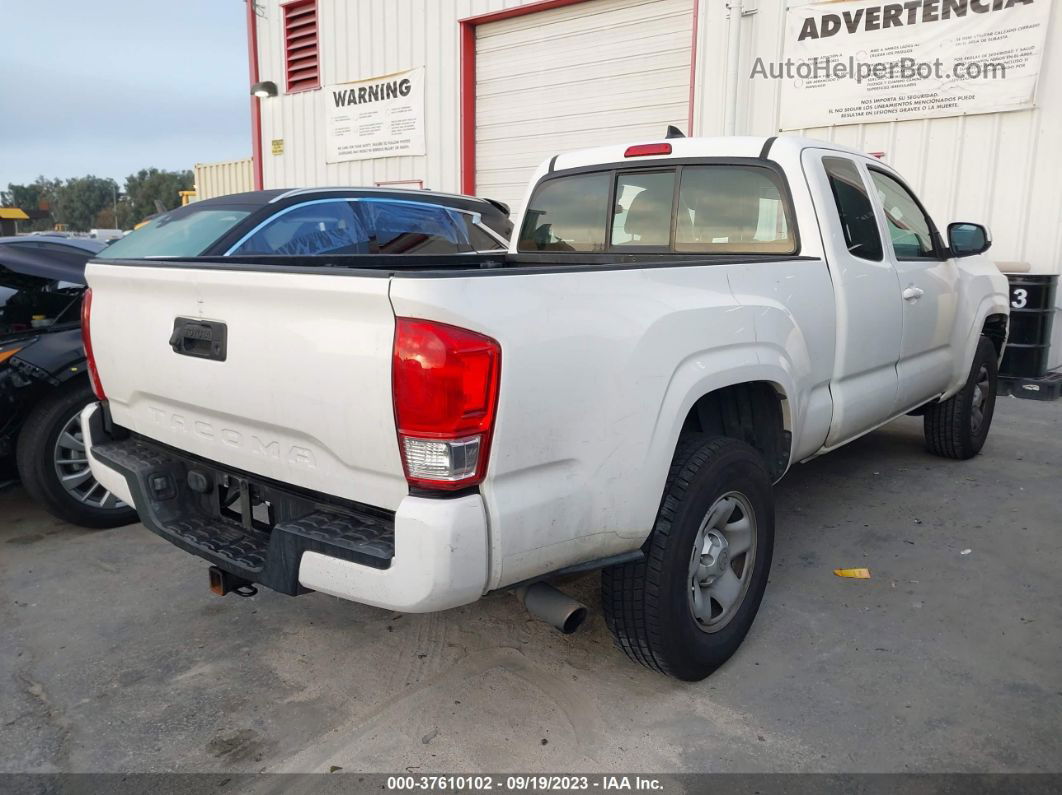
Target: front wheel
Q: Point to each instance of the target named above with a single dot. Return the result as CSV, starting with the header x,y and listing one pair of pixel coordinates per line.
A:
x,y
958,426
53,464
686,607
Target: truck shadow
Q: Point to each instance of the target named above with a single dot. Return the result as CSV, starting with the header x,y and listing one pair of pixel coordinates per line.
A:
x,y
898,445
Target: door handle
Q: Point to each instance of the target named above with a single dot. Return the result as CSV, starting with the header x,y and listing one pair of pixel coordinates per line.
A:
x,y
204,339
913,293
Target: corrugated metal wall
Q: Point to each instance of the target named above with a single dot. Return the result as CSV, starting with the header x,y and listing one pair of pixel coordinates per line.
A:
x,y
221,179
1004,169
598,73
360,40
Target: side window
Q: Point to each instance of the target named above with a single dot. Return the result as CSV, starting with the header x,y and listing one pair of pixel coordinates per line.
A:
x,y
854,208
567,214
731,210
391,226
477,237
318,227
642,215
910,228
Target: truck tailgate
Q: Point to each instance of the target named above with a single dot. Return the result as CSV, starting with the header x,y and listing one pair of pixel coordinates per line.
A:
x,y
303,394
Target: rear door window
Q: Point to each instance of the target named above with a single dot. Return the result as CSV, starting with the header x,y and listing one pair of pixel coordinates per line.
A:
x,y
568,214
318,227
479,237
366,226
854,208
391,226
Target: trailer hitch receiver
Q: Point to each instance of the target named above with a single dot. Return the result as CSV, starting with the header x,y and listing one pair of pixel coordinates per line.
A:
x,y
222,582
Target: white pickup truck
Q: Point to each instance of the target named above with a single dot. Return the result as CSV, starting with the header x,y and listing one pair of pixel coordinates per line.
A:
x,y
676,324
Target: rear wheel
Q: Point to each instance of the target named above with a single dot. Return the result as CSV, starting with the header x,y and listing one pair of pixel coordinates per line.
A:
x,y
53,464
686,607
958,427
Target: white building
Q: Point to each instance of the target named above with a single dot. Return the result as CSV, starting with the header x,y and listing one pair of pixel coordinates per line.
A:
x,y
500,85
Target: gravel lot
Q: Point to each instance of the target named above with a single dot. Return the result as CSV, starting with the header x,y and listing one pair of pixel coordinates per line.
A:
x,y
115,656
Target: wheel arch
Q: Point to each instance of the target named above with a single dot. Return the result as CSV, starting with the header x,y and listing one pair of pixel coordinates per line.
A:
x,y
984,309
731,393
754,412
996,327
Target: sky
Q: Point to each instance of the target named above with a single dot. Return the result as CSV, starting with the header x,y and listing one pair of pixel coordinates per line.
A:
x,y
112,86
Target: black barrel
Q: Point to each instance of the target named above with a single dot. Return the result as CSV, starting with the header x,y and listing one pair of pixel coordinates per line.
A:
x,y
1032,311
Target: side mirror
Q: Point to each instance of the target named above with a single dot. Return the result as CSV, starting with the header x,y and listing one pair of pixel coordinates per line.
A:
x,y
966,239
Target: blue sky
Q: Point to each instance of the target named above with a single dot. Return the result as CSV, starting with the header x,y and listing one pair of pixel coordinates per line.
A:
x,y
112,86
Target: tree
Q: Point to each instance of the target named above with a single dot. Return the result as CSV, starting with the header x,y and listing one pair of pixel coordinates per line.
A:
x,y
80,200
25,196
84,203
150,184
38,195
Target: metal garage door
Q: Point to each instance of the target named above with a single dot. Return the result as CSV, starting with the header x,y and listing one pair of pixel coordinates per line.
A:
x,y
589,74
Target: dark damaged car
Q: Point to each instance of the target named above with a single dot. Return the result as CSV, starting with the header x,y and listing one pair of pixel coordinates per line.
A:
x,y
43,380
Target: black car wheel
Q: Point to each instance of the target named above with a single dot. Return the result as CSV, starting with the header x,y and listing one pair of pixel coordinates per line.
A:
x,y
686,607
958,427
53,464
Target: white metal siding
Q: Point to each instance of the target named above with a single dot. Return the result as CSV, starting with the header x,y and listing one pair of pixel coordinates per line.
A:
x,y
360,40
221,179
1003,169
600,72
372,37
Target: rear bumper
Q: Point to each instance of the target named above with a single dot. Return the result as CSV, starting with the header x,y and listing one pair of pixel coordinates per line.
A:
x,y
431,554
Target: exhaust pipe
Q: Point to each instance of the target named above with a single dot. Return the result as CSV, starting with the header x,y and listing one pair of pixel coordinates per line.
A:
x,y
548,604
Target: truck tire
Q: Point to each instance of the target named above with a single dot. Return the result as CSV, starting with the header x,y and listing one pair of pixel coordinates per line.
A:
x,y
957,427
685,608
48,447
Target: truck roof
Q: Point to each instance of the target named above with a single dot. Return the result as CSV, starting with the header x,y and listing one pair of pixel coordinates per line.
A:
x,y
720,146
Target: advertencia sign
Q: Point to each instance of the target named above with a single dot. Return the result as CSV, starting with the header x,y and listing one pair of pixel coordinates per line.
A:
x,y
379,117
854,61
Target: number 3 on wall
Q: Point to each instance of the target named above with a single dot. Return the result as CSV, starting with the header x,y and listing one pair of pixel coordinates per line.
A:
x,y
1019,298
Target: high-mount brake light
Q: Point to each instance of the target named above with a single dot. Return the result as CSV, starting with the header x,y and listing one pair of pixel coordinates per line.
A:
x,y
445,381
86,337
646,150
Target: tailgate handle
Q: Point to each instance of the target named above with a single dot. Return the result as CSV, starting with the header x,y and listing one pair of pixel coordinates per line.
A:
x,y
203,339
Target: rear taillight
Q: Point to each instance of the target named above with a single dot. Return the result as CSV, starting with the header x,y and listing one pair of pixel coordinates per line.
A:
x,y
86,336
445,382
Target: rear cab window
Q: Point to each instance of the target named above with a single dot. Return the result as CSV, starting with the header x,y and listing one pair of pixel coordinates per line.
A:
x,y
567,214
642,215
724,208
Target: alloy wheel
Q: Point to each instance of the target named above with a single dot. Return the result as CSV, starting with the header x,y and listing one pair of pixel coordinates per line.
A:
x,y
721,563
72,468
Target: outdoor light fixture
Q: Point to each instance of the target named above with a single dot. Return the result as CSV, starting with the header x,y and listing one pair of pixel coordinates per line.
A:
x,y
266,88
